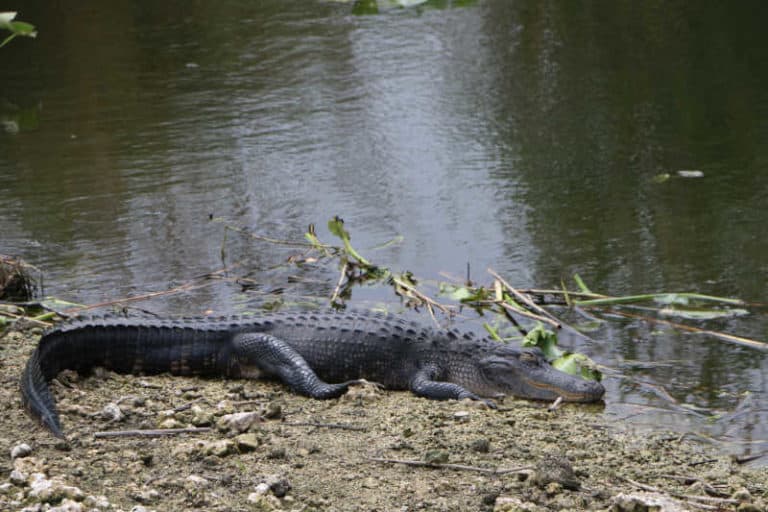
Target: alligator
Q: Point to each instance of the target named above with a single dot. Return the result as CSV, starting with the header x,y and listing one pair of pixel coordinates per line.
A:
x,y
318,355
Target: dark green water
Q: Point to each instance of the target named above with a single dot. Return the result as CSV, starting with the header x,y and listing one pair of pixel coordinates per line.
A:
x,y
525,136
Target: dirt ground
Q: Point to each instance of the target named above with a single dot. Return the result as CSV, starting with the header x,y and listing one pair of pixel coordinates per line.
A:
x,y
306,455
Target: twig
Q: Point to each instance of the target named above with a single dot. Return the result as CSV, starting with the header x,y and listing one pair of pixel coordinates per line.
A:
x,y
337,290
340,426
738,340
556,404
685,497
151,432
526,300
457,467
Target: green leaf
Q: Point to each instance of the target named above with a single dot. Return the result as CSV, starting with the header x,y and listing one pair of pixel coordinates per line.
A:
x,y
578,365
545,339
580,284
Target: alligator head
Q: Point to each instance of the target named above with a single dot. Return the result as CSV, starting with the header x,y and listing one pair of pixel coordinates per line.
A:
x,y
527,374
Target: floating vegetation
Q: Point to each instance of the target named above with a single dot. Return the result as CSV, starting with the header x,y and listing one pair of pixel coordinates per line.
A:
x,y
16,281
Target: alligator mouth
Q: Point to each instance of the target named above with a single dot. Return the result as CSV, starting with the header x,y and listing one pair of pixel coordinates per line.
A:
x,y
568,396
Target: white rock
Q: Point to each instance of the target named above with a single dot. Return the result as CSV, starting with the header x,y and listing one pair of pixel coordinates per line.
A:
x,y
67,505
18,477
238,422
262,488
112,412
20,450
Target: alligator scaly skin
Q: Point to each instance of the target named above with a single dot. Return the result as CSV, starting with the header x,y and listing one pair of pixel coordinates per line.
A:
x,y
306,350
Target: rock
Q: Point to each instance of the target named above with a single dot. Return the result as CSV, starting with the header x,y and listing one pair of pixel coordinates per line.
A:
x,y
640,501
20,451
200,418
263,503
67,505
262,488
481,445
514,504
743,495
170,423
145,496
436,457
217,448
558,470
247,442
50,491
461,415
197,481
362,393
17,477
274,411
238,422
112,412
96,502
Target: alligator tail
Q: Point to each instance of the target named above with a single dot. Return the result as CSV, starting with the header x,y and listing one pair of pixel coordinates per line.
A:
x,y
121,345
37,398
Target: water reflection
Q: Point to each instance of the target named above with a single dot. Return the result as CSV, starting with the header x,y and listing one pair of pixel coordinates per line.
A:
x,y
521,135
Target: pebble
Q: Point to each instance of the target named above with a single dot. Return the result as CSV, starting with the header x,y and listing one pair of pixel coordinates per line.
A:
x,y
198,481
52,490
20,451
112,412
238,422
17,477
247,442
67,505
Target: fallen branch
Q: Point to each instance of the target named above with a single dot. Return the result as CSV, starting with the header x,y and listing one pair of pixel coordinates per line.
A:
x,y
340,426
457,467
151,432
526,300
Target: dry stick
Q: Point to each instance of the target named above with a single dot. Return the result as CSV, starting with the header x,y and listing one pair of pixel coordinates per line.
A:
x,y
151,432
337,290
526,300
738,340
523,312
685,497
458,467
340,426
426,299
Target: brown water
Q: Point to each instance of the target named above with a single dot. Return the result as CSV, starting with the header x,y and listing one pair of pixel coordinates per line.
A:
x,y
525,136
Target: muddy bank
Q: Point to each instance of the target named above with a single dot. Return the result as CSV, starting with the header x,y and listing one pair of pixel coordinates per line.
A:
x,y
301,454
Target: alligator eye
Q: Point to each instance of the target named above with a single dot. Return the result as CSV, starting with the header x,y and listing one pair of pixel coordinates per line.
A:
x,y
529,357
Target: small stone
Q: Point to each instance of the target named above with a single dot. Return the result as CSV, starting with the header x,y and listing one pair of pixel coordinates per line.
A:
x,y
238,422
17,477
112,412
197,481
145,497
461,415
558,470
21,450
200,418
67,505
50,491
277,453
97,502
139,508
481,445
219,448
279,486
743,495
247,442
436,457
170,423
274,411
262,488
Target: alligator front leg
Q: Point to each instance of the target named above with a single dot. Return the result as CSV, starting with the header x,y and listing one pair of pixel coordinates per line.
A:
x,y
424,384
275,357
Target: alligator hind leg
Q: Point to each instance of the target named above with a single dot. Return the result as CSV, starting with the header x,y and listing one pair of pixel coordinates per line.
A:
x,y
424,384
275,357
